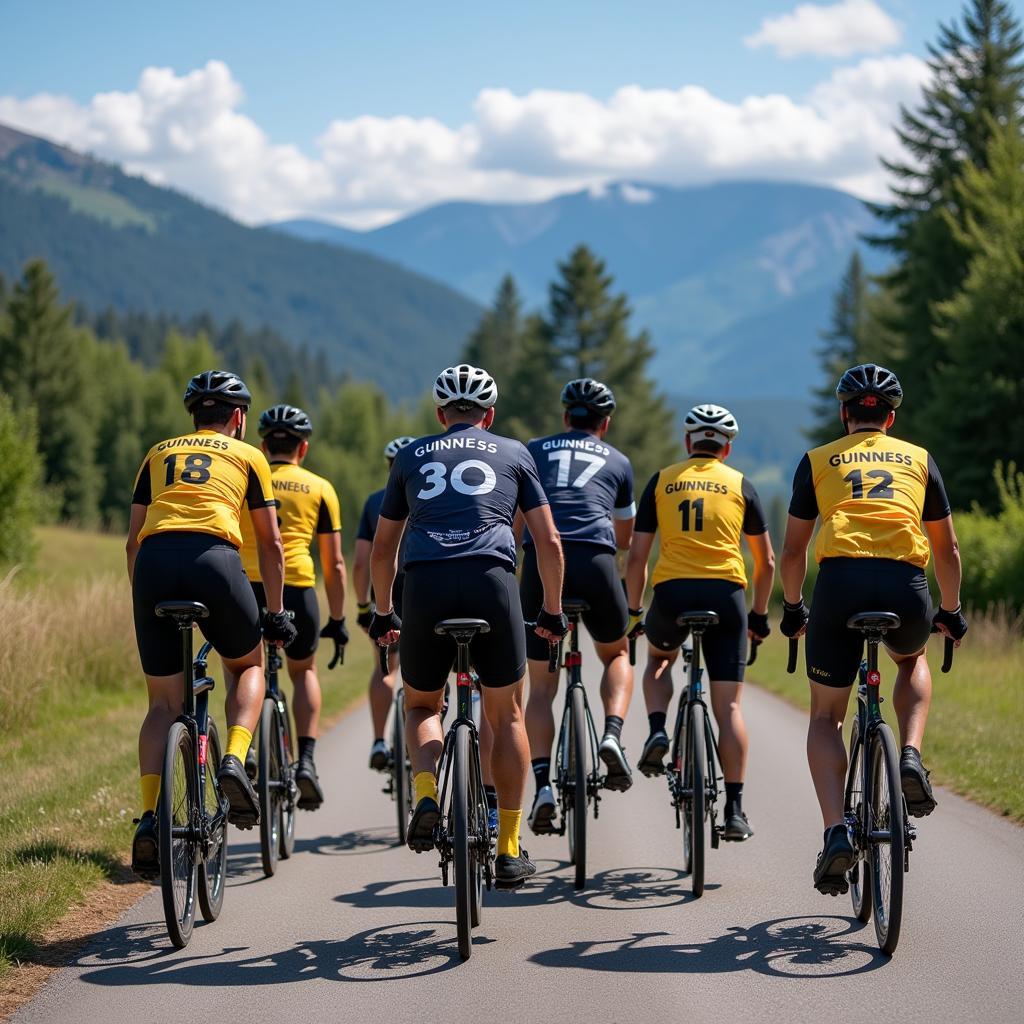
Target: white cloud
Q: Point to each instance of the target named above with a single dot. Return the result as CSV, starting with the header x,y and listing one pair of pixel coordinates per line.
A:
x,y
836,30
187,131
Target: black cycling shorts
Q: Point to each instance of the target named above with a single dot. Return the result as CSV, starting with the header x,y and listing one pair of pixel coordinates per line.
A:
x,y
847,586
723,647
591,575
184,566
464,588
302,603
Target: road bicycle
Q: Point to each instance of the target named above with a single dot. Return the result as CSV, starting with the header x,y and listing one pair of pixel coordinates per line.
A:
x,y
191,812
399,784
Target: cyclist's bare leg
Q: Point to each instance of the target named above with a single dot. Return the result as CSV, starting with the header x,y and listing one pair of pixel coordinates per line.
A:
x,y
510,750
732,730
307,696
164,707
912,696
540,720
381,691
246,688
486,746
658,680
617,678
423,728
826,752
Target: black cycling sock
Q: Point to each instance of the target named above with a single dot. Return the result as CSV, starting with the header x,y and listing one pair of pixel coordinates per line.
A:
x,y
613,726
541,771
306,745
656,719
378,739
733,798
491,796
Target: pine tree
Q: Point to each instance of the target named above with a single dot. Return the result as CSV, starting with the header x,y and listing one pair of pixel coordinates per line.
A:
x,y
497,342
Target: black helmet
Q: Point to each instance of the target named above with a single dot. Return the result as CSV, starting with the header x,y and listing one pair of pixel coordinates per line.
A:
x,y
218,385
588,395
286,419
869,379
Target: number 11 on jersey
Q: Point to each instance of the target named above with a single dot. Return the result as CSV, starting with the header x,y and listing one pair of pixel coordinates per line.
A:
x,y
698,513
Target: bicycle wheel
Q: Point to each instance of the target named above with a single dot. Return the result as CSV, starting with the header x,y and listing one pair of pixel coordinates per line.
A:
x,y
268,780
886,821
178,810
460,832
695,768
287,794
480,832
860,884
400,767
213,870
576,808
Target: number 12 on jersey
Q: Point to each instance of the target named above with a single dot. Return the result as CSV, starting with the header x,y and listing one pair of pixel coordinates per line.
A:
x,y
564,458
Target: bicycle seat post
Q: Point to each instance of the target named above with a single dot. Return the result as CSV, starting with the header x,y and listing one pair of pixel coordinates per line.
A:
x,y
185,614
462,632
873,626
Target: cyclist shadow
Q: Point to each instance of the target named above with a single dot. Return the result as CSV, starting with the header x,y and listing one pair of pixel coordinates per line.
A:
x,y
797,947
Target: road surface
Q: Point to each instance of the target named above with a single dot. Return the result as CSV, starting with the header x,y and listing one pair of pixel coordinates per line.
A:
x,y
356,928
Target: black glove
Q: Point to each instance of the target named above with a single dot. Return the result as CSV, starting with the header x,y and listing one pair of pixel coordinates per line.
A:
x,y
635,623
757,623
954,621
794,618
279,628
557,624
380,625
365,616
335,630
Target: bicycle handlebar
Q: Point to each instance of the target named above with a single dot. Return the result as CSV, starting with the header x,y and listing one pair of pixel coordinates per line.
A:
x,y
632,650
947,654
794,650
554,649
383,655
754,644
339,655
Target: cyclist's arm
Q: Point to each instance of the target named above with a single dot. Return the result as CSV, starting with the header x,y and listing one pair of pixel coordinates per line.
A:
x,y
136,520
624,532
333,562
361,570
946,551
519,527
764,570
548,546
793,563
384,560
636,567
271,554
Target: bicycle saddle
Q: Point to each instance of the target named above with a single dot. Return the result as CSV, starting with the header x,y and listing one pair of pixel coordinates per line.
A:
x,y
187,611
698,620
573,606
449,627
871,622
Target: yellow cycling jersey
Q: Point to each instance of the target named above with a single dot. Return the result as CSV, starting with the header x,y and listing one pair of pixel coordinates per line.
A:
x,y
700,507
199,483
307,504
872,492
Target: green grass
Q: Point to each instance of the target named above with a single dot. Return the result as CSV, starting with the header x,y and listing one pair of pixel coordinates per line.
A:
x,y
71,701
972,744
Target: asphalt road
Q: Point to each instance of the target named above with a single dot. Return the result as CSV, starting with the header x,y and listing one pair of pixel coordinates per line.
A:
x,y
357,928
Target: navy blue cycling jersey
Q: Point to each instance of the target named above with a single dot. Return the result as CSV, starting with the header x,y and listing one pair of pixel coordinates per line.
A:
x,y
460,491
589,483
368,520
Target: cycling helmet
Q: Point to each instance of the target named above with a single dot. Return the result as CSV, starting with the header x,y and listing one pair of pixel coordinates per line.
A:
x,y
465,384
709,419
217,385
392,448
868,379
285,419
588,395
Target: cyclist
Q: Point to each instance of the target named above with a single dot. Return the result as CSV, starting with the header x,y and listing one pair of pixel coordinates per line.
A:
x,y
381,686
183,539
590,487
701,508
307,506
872,494
459,492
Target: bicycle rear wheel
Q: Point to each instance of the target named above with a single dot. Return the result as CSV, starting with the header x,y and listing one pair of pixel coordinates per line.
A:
x,y
400,774
695,774
287,792
268,783
460,833
213,870
860,884
576,807
178,811
886,838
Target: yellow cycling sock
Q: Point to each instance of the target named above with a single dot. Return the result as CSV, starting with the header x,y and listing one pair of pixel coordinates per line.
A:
x,y
508,831
239,739
425,784
150,786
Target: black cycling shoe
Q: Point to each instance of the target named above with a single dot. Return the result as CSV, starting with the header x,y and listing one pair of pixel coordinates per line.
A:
x,y
421,827
652,757
917,790
512,872
252,769
833,862
379,757
737,829
243,807
618,778
311,796
145,849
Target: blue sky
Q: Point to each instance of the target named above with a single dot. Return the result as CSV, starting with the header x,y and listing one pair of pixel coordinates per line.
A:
x,y
293,71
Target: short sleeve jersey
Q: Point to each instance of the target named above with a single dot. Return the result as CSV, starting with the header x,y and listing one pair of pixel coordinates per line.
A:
x,y
700,507
588,483
460,491
371,512
199,483
306,505
872,492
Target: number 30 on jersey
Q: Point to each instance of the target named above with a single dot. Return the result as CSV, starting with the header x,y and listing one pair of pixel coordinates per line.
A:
x,y
469,477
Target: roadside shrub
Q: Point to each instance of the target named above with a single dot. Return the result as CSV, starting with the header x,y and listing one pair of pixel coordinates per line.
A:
x,y
20,484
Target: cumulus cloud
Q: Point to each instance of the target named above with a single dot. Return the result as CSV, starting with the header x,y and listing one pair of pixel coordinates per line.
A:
x,y
187,131
835,30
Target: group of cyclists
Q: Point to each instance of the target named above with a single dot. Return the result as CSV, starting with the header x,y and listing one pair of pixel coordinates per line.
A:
x,y
222,522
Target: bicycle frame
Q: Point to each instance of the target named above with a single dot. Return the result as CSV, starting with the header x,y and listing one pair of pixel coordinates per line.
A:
x,y
274,665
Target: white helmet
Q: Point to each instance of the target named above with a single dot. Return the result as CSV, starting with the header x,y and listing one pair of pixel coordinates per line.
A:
x,y
392,448
710,420
465,384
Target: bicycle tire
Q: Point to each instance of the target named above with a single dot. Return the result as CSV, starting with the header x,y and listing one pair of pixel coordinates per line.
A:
x,y
696,768
287,798
460,842
887,859
269,773
860,875
178,809
577,805
480,832
213,870
400,767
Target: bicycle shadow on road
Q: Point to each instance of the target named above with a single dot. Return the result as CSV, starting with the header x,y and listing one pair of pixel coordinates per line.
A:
x,y
796,947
